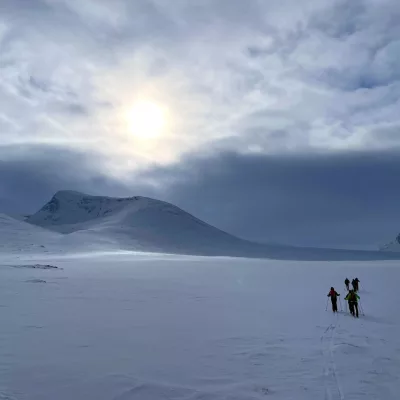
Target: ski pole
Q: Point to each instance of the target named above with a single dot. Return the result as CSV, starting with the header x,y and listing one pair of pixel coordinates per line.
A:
x,y
340,302
326,308
361,309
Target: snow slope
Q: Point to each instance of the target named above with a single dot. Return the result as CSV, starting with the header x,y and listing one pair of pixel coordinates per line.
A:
x,y
18,237
393,246
143,224
187,328
135,223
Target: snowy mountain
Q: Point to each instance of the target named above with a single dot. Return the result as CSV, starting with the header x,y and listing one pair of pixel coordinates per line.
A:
x,y
144,224
135,223
393,246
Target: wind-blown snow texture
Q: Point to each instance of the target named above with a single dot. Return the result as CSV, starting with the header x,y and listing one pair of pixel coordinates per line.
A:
x,y
187,328
143,224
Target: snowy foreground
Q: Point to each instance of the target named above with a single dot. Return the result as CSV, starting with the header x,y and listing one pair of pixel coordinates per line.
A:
x,y
151,327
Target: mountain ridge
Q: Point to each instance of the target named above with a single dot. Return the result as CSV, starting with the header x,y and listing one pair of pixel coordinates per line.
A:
x,y
140,223
102,207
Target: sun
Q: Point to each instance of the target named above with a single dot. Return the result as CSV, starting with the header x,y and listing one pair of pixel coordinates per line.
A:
x,y
146,120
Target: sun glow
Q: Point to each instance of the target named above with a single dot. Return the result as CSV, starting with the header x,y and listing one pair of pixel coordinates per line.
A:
x,y
146,120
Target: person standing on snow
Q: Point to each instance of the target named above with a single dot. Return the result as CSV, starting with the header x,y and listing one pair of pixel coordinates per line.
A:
x,y
347,283
356,282
333,295
353,298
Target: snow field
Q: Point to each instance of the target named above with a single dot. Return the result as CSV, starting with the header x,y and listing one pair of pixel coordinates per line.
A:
x,y
122,327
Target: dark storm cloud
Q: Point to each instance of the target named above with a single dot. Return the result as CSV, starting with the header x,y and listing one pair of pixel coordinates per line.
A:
x,y
30,175
325,200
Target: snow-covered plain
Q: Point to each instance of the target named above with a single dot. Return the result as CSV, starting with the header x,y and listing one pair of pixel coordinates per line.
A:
x,y
149,327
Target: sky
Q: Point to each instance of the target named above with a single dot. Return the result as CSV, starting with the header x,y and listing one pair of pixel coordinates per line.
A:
x,y
275,120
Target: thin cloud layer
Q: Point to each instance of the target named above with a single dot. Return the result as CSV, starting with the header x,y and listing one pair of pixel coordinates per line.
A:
x,y
266,77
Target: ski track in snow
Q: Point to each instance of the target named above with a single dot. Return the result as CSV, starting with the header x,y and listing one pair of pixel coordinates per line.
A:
x,y
333,389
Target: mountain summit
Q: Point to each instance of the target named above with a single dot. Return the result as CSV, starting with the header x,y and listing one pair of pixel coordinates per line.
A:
x,y
149,225
136,223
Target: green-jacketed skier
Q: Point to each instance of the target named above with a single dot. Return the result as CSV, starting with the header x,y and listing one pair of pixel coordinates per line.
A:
x,y
353,298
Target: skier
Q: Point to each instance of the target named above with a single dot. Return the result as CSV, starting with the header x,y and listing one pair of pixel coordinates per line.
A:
x,y
353,298
333,295
347,283
356,281
354,284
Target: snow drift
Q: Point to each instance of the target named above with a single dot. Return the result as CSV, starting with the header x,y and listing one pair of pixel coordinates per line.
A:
x,y
144,224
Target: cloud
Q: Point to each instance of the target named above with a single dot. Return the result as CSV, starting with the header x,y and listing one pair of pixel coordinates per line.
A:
x,y
336,200
29,176
340,200
277,76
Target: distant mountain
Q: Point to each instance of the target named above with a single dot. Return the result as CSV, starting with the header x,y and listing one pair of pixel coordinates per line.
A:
x,y
393,246
144,224
137,223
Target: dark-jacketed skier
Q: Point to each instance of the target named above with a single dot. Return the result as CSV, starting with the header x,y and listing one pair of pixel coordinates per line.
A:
x,y
347,283
353,298
354,283
333,295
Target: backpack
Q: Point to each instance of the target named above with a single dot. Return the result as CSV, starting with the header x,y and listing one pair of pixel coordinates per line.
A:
x,y
353,297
